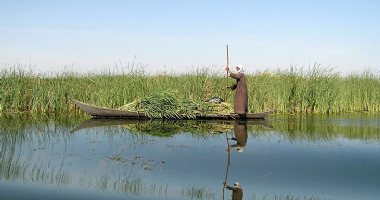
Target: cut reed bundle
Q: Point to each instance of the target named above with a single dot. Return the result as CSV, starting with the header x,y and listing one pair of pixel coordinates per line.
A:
x,y
165,104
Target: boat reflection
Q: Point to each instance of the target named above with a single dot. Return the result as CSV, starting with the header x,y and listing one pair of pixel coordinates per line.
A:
x,y
167,128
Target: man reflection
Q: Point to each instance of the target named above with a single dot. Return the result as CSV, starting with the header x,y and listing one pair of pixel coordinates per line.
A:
x,y
237,192
241,135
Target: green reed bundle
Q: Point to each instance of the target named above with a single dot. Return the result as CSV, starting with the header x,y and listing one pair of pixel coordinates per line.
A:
x,y
159,105
165,104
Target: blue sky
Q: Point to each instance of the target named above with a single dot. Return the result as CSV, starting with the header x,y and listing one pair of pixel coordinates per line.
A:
x,y
179,35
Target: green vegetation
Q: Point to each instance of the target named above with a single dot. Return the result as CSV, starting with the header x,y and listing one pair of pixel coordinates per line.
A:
x,y
165,104
317,90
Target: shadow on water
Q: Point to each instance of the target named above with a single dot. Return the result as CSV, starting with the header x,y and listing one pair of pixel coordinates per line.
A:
x,y
167,159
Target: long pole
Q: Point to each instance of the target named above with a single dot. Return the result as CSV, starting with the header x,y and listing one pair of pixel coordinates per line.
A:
x,y
228,61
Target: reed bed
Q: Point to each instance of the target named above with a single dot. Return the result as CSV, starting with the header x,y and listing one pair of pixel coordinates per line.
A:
x,y
315,90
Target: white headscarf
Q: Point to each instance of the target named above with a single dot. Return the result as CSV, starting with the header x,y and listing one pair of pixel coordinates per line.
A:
x,y
240,69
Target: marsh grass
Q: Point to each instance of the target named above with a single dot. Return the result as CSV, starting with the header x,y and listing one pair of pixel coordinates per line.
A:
x,y
314,90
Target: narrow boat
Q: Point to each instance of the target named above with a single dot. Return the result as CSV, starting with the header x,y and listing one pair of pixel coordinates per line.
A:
x,y
103,112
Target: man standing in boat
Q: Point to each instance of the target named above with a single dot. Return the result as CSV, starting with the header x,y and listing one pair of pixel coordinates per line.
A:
x,y
241,95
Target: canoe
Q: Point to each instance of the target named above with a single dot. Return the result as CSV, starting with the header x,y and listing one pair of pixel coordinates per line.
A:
x,y
103,112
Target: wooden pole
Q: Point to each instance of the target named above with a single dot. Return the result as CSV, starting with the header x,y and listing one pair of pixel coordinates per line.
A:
x,y
228,61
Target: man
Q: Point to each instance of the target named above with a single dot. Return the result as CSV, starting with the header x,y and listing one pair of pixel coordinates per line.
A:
x,y
241,95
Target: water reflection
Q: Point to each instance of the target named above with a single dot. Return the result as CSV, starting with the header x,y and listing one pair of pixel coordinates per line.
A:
x,y
240,136
237,191
359,126
167,159
167,128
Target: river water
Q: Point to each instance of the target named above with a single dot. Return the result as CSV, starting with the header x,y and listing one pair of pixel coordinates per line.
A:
x,y
283,157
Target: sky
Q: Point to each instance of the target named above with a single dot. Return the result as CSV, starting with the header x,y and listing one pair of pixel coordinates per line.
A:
x,y
180,36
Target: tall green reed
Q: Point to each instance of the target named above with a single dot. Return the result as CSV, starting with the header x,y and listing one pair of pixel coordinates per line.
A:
x,y
296,90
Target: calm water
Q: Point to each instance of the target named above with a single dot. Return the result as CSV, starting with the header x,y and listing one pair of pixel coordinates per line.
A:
x,y
314,157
